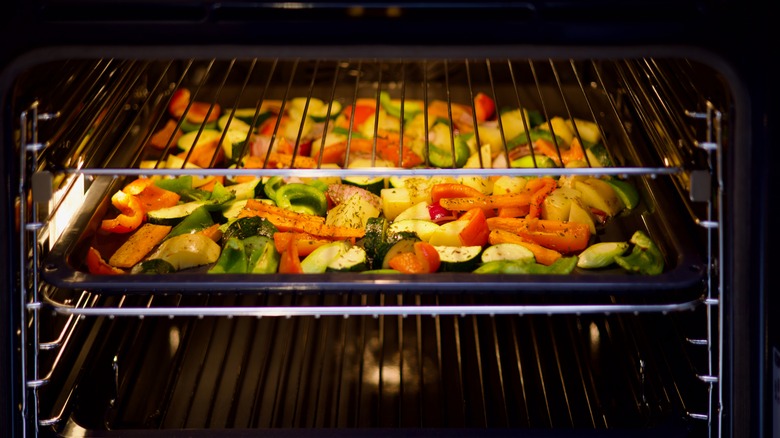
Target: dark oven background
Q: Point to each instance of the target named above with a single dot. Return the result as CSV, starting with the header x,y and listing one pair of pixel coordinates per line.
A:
x,y
740,31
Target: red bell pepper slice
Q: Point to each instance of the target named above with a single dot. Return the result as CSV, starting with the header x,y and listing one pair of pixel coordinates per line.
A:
x,y
361,113
131,217
484,107
453,190
96,264
476,232
424,260
290,262
428,256
179,101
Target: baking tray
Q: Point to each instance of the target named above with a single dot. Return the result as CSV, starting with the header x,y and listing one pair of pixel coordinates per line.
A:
x,y
684,275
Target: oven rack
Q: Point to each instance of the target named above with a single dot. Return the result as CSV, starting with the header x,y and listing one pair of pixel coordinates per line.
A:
x,y
130,75
149,308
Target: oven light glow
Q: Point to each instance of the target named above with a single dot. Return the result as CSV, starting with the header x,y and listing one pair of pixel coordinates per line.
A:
x,y
65,203
293,5
595,338
174,339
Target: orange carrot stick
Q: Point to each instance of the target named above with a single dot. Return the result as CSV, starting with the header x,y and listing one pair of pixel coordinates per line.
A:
x,y
544,256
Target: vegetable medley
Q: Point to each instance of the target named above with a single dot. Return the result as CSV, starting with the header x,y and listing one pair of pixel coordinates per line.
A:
x,y
393,224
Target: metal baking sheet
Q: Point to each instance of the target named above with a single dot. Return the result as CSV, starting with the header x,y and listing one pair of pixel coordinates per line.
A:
x,y
683,278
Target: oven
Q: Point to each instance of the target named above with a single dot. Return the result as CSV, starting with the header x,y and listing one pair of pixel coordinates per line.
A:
x,y
671,105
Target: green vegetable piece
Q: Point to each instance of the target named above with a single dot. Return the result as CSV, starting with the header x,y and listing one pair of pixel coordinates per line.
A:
x,y
199,219
178,185
232,260
317,262
527,161
381,271
411,109
190,195
625,191
598,156
535,118
318,184
376,230
401,246
340,130
535,134
352,260
219,196
441,156
494,267
153,266
247,115
600,255
272,185
262,255
248,190
193,127
562,266
250,226
302,198
645,257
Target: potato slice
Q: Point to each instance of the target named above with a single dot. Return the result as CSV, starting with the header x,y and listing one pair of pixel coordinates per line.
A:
x,y
187,251
599,195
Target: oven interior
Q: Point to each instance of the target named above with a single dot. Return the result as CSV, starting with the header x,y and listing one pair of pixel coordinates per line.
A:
x,y
585,353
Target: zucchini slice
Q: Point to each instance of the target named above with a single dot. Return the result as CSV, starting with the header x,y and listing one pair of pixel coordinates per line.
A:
x,y
248,190
507,251
423,228
190,139
318,110
226,123
459,258
247,115
402,246
373,185
353,260
173,215
376,231
318,261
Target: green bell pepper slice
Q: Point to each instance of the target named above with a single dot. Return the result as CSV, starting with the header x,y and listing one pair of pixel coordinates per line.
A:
x,y
645,258
272,186
302,198
232,260
562,266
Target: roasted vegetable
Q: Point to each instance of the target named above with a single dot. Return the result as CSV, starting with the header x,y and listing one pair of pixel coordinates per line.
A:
x,y
199,219
131,214
141,243
187,251
262,254
302,198
97,265
153,266
250,226
600,255
645,257
562,266
232,259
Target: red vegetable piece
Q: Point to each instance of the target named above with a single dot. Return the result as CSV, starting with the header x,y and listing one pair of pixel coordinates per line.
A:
x,y
96,264
131,216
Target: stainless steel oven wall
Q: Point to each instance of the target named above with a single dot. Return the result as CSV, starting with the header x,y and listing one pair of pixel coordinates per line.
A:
x,y
746,298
